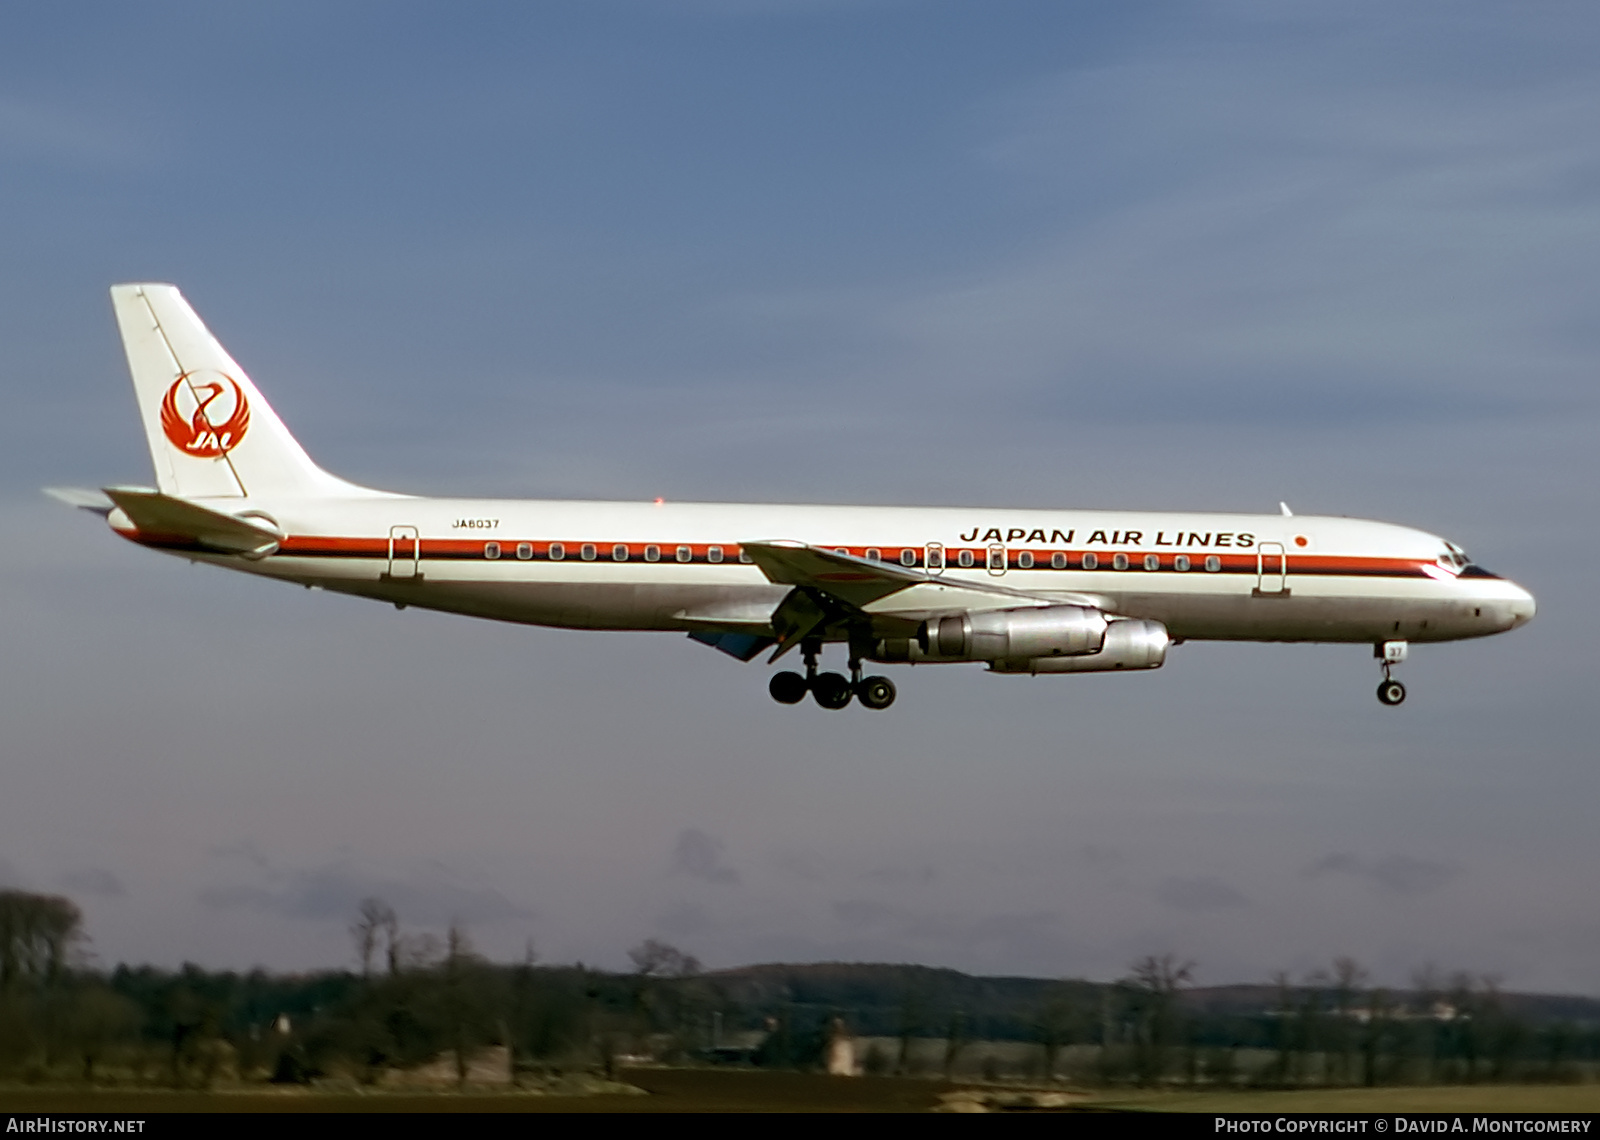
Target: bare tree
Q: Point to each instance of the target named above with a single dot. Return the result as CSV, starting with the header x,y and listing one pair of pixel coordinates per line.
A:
x,y
1054,1025
391,941
1349,976
1375,1030
1429,1008
656,959
460,962
912,1013
459,949
97,1020
957,1036
420,951
36,934
373,920
1153,989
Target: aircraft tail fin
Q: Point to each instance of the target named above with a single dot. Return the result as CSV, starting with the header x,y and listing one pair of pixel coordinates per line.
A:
x,y
211,432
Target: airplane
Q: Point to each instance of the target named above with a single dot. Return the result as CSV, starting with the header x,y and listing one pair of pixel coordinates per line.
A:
x,y
1024,592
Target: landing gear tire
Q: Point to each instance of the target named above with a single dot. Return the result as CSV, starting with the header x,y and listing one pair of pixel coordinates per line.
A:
x,y
875,693
1391,692
831,690
788,688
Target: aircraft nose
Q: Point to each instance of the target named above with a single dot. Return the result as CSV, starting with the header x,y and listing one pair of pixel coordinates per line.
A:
x,y
1520,607
1523,607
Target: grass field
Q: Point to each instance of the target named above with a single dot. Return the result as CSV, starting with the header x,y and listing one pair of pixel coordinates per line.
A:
x,y
702,1090
670,1090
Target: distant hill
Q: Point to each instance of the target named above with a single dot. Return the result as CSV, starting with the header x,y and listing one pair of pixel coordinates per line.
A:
x,y
883,999
1256,1000
888,1000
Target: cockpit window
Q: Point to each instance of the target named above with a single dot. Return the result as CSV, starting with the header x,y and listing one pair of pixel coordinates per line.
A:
x,y
1454,557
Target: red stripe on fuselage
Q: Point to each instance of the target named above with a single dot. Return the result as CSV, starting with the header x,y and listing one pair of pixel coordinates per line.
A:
x,y
1232,562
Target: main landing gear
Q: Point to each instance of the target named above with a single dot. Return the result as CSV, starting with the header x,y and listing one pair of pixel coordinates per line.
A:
x,y
831,690
1391,653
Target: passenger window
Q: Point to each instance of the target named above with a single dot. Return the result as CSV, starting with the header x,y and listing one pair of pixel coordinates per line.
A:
x,y
587,552
557,552
685,554
743,557
619,552
874,554
1181,562
1025,560
713,554
964,558
935,558
1213,563
491,550
1091,560
1119,561
997,558
1152,562
908,557
1058,561
524,550
652,553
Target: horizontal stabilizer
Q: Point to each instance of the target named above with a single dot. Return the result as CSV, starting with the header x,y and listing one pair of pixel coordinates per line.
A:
x,y
167,520
82,498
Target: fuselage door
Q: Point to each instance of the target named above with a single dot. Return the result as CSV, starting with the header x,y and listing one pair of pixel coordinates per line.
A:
x,y
1272,571
404,544
997,559
933,558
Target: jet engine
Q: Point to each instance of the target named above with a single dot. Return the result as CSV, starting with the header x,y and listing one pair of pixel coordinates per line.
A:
x,y
1129,643
1040,632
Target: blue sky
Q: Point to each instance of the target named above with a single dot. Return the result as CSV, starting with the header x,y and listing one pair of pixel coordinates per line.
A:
x,y
1137,255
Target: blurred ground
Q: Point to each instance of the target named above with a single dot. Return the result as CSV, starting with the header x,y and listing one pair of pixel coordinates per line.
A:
x,y
703,1090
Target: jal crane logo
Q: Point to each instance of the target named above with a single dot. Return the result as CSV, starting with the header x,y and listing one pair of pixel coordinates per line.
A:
x,y
205,415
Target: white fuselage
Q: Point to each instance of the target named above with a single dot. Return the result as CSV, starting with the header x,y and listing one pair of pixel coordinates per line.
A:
x,y
678,566
1022,591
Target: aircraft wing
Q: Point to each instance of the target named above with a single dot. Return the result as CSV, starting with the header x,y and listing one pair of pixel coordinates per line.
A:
x,y
886,588
832,587
854,581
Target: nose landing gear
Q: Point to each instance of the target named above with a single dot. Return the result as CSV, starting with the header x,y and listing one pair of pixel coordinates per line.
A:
x,y
1391,653
831,690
